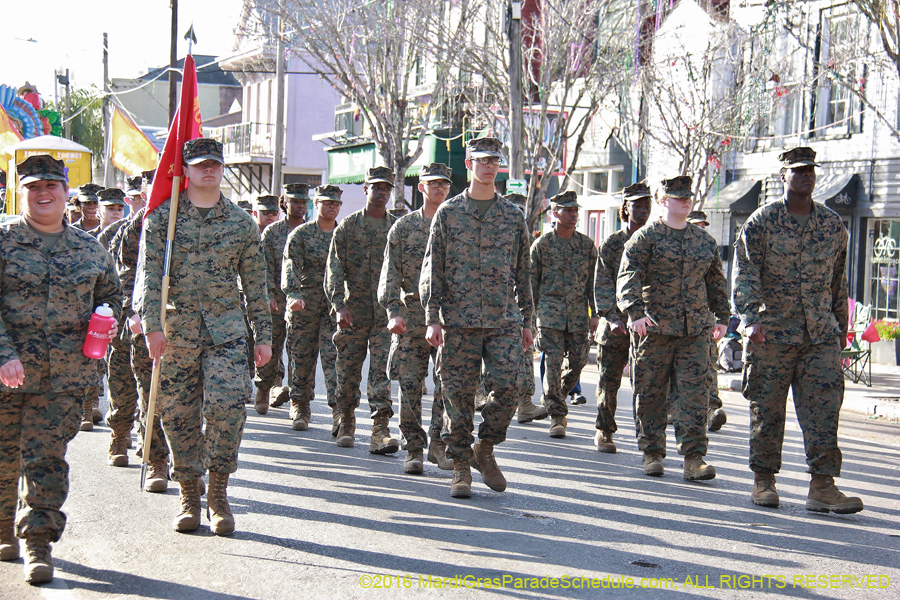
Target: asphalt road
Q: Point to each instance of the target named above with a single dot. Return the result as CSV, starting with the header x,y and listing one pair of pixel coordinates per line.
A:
x,y
315,520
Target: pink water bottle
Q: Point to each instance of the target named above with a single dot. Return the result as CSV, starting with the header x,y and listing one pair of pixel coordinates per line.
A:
x,y
97,339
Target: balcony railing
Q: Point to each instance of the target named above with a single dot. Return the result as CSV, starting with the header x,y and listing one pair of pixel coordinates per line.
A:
x,y
246,139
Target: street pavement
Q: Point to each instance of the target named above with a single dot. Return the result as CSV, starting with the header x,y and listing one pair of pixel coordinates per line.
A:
x,y
318,521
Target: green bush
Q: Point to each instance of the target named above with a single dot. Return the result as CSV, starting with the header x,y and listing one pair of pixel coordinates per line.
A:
x,y
888,330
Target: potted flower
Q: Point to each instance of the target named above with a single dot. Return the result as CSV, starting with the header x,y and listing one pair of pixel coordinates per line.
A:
x,y
885,352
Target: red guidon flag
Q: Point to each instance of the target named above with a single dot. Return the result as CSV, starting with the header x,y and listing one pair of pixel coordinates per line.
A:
x,y
186,126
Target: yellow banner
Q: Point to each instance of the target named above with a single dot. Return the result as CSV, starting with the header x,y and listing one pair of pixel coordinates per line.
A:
x,y
9,136
132,152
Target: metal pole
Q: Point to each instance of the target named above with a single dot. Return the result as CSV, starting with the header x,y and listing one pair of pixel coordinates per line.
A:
x,y
66,123
173,63
515,91
277,158
106,120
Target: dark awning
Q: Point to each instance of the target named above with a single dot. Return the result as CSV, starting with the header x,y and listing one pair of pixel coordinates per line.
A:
x,y
738,197
837,191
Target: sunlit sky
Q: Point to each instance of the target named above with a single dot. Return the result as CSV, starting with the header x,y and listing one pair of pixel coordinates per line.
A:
x,y
69,34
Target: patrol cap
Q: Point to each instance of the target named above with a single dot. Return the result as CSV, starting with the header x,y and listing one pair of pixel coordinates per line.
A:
x,y
111,196
147,180
482,147
299,191
266,203
517,199
697,216
88,193
678,187
636,191
798,157
565,200
133,185
329,192
245,204
435,171
200,149
380,175
41,167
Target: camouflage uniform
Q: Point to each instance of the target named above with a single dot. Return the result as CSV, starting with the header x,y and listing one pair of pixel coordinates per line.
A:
x,y
678,284
203,374
473,270
612,350
351,282
792,280
141,364
309,331
398,293
562,285
46,301
274,240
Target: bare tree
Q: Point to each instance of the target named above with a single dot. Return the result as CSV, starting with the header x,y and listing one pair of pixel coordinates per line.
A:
x,y
390,57
574,57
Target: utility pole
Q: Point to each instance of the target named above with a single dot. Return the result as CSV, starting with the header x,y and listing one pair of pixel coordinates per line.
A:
x,y
279,112
67,112
515,91
173,63
107,134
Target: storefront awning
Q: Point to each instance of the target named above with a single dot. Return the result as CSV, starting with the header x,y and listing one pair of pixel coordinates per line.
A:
x,y
738,197
837,191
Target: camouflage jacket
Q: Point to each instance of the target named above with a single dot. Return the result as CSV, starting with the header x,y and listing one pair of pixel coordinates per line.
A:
x,y
677,283
303,269
398,288
354,265
274,239
208,254
126,257
609,257
562,281
106,235
46,303
477,272
791,279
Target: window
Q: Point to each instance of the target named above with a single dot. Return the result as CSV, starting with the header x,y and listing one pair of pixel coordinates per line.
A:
x,y
883,279
837,109
602,180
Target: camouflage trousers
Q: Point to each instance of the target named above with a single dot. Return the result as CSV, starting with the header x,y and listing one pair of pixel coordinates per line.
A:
x,y
408,365
308,340
714,401
272,373
525,386
461,357
35,430
659,361
123,393
611,360
565,354
142,367
352,343
197,384
813,373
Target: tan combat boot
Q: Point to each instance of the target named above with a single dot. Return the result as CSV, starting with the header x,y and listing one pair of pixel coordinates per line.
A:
x,y
96,415
38,562
347,429
528,412
697,470
484,462
335,420
824,496
9,543
87,418
189,517
118,451
262,401
413,463
281,397
437,454
157,481
603,441
653,464
715,418
462,480
221,521
382,442
302,415
558,426
764,493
